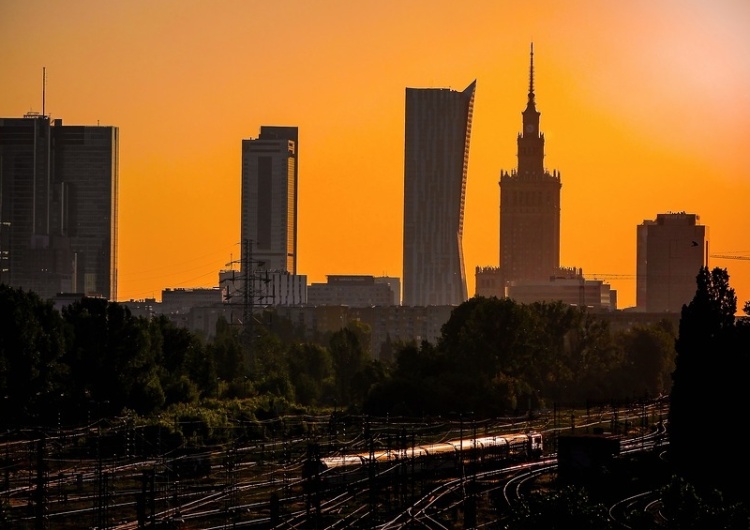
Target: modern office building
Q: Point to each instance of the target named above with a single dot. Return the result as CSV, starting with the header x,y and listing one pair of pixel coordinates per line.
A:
x,y
437,133
670,252
530,205
58,215
269,200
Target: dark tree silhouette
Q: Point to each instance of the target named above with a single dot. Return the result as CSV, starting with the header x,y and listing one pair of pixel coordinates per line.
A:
x,y
32,343
649,355
349,358
708,395
111,357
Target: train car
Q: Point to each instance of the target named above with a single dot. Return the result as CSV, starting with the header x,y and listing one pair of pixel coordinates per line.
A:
x,y
535,445
521,446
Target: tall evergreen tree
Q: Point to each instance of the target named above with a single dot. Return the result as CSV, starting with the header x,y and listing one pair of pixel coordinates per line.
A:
x,y
708,393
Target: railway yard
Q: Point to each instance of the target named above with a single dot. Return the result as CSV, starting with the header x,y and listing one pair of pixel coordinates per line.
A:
x,y
333,471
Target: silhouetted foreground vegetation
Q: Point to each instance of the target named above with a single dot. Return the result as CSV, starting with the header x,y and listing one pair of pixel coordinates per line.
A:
x,y
709,394
708,488
682,505
497,357
494,357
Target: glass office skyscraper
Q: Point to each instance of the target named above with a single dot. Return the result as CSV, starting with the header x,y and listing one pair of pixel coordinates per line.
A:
x,y
58,215
437,133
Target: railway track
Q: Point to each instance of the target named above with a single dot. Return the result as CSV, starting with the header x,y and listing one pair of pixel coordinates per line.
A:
x,y
261,484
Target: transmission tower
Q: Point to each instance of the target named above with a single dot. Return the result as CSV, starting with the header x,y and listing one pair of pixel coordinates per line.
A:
x,y
254,280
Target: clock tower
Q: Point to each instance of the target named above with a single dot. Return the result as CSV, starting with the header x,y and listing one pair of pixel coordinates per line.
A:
x,y
529,205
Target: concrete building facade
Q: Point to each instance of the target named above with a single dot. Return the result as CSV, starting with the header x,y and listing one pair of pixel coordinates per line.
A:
x,y
395,285
350,290
269,200
579,292
670,252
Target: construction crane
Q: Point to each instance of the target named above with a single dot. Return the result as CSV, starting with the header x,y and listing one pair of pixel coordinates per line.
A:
x,y
726,256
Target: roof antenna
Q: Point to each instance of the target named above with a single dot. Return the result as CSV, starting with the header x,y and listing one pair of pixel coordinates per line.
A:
x,y
44,89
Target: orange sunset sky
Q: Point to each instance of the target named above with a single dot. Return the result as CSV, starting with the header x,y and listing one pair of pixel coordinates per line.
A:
x,y
645,105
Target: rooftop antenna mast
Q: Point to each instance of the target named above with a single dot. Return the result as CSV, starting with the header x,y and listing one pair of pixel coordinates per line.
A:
x,y
44,90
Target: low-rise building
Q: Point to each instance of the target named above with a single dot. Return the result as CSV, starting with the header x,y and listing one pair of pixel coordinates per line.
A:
x,y
352,291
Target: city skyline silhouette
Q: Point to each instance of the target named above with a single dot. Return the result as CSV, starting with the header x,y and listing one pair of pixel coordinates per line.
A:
x,y
644,107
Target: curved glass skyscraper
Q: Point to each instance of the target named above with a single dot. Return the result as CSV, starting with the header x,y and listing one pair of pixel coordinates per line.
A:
x,y
438,128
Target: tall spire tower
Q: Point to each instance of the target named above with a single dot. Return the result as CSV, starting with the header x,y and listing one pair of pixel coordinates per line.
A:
x,y
529,204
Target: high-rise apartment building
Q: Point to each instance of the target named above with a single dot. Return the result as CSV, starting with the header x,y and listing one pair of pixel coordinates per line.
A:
x,y
269,200
437,133
58,215
670,253
530,205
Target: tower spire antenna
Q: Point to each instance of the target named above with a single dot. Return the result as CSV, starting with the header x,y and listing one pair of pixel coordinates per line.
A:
x,y
531,74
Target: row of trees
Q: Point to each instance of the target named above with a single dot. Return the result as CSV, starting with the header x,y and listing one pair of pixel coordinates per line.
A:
x,y
494,357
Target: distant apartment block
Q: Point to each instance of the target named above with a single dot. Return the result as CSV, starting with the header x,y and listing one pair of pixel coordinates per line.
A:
x,y
566,284
489,282
58,214
390,325
591,294
195,309
146,308
181,300
395,285
437,133
352,291
269,200
670,252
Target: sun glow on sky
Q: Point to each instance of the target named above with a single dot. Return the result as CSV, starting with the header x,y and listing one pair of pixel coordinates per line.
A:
x,y
645,107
